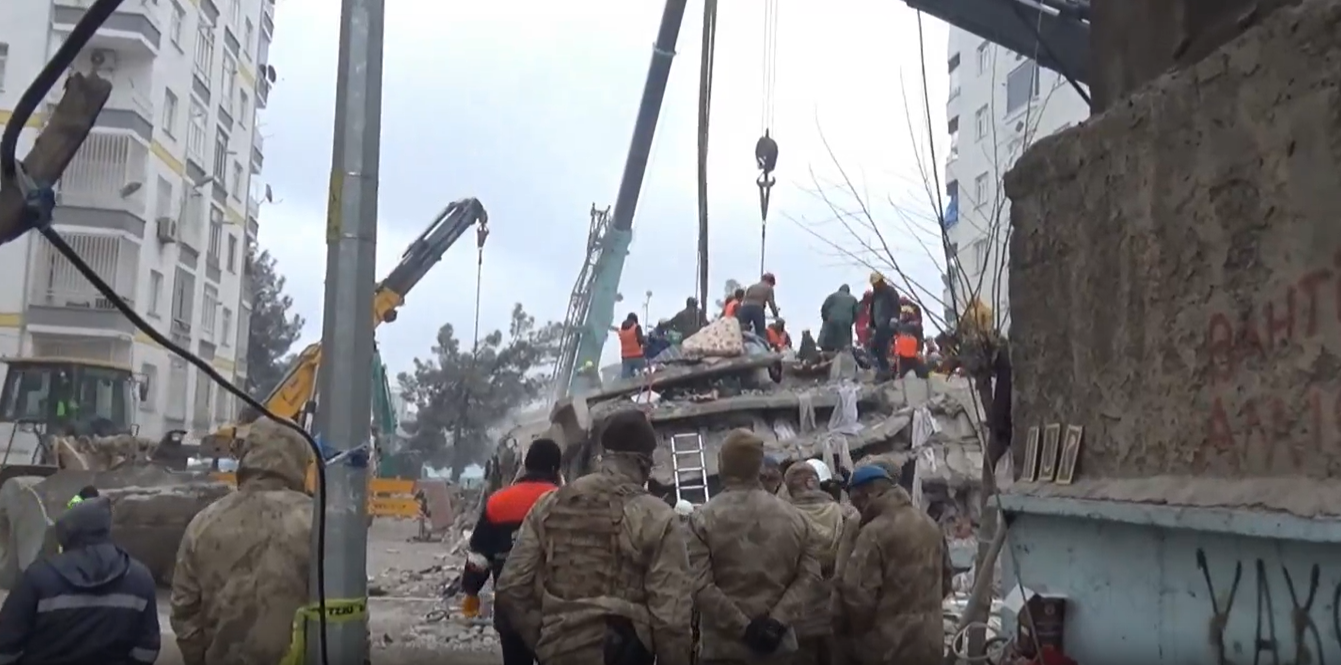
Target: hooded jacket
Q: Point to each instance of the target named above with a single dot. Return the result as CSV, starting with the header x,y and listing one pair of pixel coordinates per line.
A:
x,y
751,555
92,604
833,526
242,567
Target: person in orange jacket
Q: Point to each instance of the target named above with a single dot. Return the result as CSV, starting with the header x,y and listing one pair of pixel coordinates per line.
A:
x,y
491,541
733,303
778,337
631,341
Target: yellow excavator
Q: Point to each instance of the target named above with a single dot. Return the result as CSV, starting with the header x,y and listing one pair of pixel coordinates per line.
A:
x,y
295,396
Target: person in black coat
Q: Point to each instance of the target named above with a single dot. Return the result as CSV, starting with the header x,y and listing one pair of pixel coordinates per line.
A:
x,y
91,604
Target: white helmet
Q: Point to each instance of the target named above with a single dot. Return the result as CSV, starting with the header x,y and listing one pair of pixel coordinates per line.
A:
x,y
821,469
683,507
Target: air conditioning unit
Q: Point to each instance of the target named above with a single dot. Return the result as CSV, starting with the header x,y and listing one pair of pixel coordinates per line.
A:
x,y
167,229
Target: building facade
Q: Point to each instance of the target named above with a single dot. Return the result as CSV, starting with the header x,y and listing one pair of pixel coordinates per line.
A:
x,y
160,200
999,102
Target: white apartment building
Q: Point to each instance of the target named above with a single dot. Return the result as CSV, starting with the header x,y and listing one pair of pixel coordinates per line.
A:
x,y
999,103
158,200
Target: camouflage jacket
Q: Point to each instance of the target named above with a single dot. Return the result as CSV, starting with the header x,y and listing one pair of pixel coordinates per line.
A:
x,y
752,554
889,594
833,527
242,567
597,548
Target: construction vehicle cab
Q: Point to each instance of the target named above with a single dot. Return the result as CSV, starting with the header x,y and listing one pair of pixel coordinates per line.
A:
x,y
42,397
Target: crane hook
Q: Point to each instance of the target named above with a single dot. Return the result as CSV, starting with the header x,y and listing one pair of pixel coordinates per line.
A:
x,y
766,157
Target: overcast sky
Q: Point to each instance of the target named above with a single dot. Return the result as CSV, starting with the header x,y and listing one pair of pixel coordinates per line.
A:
x,y
529,107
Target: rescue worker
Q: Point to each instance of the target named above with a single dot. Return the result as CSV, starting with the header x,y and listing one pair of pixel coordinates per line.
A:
x,y
92,603
598,573
863,323
732,305
660,340
753,302
754,561
686,321
908,343
778,337
837,316
87,492
834,528
888,593
242,567
631,342
884,312
491,540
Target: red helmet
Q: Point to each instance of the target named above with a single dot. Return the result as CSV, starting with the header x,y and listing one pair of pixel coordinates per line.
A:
x,y
768,277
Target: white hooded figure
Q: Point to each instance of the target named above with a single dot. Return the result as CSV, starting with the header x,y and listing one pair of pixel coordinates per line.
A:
x,y
683,508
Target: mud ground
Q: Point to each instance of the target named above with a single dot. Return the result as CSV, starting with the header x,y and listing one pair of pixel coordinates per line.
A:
x,y
409,573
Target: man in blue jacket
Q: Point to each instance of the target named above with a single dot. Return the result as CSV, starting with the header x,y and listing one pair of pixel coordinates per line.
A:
x,y
92,604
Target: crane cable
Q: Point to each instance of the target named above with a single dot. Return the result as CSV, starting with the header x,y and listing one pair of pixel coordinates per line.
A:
x,y
481,234
766,148
704,108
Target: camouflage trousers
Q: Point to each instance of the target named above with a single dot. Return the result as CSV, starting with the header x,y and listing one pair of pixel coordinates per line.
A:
x,y
815,651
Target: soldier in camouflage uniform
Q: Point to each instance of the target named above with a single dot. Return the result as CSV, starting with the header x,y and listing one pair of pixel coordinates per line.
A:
x,y
834,527
242,568
755,564
890,590
598,573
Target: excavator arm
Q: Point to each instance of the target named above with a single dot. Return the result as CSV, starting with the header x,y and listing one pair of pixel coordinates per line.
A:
x,y
294,397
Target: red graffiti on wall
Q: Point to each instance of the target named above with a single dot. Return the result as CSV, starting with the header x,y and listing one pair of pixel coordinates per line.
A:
x,y
1273,433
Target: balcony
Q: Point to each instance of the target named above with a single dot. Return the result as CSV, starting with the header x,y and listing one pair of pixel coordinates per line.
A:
x,y
262,89
268,18
257,151
104,184
60,297
132,29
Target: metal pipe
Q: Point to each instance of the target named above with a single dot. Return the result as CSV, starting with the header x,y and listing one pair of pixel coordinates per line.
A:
x,y
345,401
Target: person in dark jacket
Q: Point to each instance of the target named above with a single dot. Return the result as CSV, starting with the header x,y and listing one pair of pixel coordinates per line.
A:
x,y
92,604
837,316
492,539
884,316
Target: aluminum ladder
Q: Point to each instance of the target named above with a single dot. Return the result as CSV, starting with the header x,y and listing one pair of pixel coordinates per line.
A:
x,y
690,467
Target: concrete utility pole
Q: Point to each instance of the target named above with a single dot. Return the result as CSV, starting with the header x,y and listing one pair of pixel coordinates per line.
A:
x,y
344,405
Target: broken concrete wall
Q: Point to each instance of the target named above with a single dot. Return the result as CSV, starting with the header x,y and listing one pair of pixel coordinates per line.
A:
x,y
1176,279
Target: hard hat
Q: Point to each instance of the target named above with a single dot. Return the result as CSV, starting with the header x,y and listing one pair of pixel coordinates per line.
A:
x,y
683,507
876,278
821,470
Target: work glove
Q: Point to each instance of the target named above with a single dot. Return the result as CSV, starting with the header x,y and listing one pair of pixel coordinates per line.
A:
x,y
470,607
763,635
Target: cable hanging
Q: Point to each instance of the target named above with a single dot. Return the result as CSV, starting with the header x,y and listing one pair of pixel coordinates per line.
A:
x,y
766,148
481,234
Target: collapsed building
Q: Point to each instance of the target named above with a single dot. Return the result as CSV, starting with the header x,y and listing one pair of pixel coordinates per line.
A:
x,y
818,409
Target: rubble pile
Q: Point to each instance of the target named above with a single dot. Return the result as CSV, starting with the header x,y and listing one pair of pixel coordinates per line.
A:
x,y
415,606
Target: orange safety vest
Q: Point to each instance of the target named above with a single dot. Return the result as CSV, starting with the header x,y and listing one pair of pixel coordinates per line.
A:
x,y
731,307
628,343
779,340
905,346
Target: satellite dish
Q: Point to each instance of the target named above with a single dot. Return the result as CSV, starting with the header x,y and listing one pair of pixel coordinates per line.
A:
x,y
270,73
130,188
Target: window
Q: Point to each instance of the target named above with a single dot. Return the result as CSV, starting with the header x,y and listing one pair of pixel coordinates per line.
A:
x,y
4,60
195,136
222,402
175,409
204,51
980,190
149,377
1021,86
220,154
237,181
234,12
954,137
980,123
229,82
226,328
209,310
175,23
248,35
232,253
155,293
200,412
169,113
954,77
980,252
163,196
984,58
951,203
216,235
1013,152
243,108
183,297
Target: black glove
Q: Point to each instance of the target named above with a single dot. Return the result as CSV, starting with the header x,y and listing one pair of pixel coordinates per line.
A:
x,y
763,635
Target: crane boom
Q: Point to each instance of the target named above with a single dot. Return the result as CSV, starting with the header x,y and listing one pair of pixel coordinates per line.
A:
x,y
294,396
613,246
579,305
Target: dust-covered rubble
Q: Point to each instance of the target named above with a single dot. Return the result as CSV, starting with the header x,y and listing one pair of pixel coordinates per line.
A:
x,y
416,601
